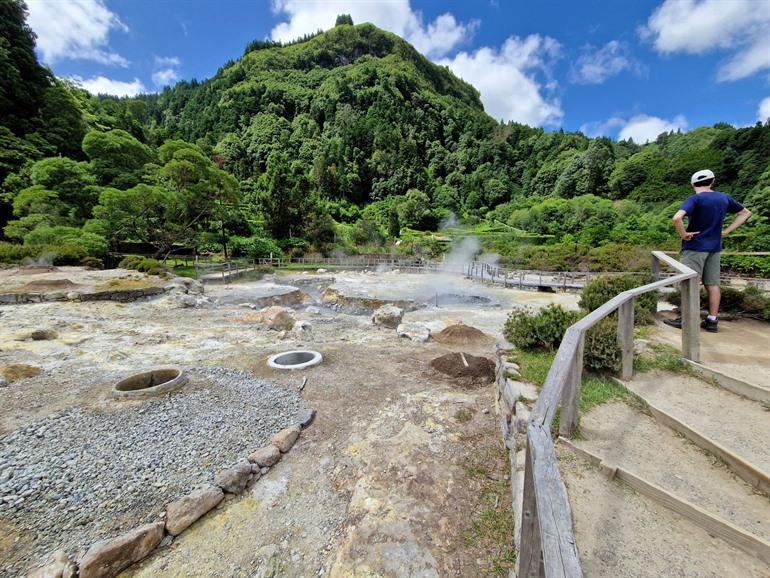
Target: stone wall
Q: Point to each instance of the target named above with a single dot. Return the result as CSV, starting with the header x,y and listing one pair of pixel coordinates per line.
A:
x,y
514,403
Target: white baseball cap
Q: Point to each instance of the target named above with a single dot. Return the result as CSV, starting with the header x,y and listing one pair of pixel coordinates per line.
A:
x,y
704,175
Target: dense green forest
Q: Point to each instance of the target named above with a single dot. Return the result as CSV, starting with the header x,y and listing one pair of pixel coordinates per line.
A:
x,y
348,140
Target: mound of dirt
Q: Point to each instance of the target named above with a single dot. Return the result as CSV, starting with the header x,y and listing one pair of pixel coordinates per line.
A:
x,y
50,284
469,369
461,334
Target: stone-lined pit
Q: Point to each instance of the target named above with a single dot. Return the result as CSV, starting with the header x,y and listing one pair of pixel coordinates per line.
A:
x,y
150,383
294,359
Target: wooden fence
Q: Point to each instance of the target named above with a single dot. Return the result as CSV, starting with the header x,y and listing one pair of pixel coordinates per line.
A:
x,y
548,547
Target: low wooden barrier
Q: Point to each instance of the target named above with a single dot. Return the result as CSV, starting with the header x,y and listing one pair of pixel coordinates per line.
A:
x,y
548,548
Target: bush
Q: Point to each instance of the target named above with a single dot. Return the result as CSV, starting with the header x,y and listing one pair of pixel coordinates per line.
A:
x,y
142,264
543,329
601,289
747,302
62,254
12,253
601,351
93,244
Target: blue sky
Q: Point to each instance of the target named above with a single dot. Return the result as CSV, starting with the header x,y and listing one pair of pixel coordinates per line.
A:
x,y
622,69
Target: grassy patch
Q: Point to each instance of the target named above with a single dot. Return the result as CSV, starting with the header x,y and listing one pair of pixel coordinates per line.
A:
x,y
664,358
594,390
464,414
534,365
492,526
126,284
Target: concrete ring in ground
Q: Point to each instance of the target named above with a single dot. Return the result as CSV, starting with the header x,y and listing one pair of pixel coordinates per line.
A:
x,y
150,383
297,359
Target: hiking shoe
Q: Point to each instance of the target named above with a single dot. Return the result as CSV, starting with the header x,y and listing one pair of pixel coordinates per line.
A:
x,y
711,326
677,323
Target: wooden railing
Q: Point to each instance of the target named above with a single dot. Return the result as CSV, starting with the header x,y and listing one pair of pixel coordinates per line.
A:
x,y
548,547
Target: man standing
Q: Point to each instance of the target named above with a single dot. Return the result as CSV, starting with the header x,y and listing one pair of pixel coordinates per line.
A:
x,y
702,240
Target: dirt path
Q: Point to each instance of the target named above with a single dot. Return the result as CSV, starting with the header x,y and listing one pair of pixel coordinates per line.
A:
x,y
740,349
738,424
634,441
620,533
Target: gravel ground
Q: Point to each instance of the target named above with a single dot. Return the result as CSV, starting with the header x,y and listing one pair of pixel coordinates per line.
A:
x,y
78,476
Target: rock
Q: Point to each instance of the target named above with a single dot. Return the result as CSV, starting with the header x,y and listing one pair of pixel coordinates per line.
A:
x,y
388,316
306,417
322,271
522,418
301,327
278,318
234,480
415,331
526,391
60,567
108,557
43,335
181,513
266,456
313,310
184,300
3,382
285,439
73,295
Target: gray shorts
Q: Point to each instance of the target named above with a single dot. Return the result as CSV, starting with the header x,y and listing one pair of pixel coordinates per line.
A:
x,y
706,264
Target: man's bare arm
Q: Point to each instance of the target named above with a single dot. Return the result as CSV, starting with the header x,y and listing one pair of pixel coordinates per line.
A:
x,y
740,218
679,225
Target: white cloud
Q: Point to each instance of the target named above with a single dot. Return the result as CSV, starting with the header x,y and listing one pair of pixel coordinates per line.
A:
x,y
596,65
103,85
507,78
166,70
434,39
700,26
74,29
643,128
763,112
593,129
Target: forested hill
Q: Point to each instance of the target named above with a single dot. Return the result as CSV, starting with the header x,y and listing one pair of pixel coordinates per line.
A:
x,y
349,139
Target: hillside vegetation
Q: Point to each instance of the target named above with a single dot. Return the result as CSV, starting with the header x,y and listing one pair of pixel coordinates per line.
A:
x,y
347,140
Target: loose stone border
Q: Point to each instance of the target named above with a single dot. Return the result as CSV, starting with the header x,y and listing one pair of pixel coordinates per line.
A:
x,y
107,558
72,295
514,403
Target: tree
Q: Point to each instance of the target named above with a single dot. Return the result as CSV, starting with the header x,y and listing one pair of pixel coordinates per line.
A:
x,y
116,157
344,19
189,196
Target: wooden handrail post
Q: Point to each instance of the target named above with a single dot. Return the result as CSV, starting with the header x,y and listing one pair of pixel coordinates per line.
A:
x,y
655,268
690,307
626,338
570,401
531,552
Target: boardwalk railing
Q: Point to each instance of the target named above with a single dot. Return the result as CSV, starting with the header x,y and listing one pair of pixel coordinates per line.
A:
x,y
548,547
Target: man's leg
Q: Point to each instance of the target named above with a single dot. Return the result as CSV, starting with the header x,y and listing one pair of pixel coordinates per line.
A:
x,y
711,272
715,295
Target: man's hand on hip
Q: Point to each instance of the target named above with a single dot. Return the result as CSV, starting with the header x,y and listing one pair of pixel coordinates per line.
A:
x,y
689,235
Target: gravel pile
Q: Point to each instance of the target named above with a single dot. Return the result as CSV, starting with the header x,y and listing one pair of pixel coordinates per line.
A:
x,y
79,476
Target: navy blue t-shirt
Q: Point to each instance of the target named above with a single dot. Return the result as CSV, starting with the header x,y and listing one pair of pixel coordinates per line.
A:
x,y
706,213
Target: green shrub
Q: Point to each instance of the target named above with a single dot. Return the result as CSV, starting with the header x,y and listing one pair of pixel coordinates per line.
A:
x,y
747,302
601,351
93,262
65,254
93,244
12,253
142,264
601,289
543,329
